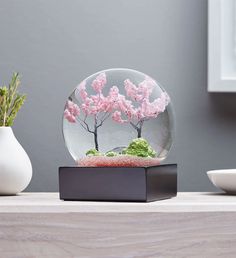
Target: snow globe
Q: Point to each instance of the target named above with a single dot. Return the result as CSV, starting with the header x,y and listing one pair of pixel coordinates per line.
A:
x,y
118,127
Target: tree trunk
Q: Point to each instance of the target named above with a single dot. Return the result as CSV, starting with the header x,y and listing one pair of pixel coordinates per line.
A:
x,y
139,130
96,139
95,133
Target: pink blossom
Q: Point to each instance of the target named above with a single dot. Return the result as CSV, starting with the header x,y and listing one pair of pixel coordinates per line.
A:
x,y
162,102
96,105
141,95
106,104
131,89
70,118
71,112
145,88
150,81
73,108
134,108
153,109
99,82
85,108
80,91
110,102
139,108
95,99
116,116
139,114
114,92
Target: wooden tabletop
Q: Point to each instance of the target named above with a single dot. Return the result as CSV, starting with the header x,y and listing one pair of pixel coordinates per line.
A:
x,y
190,225
184,202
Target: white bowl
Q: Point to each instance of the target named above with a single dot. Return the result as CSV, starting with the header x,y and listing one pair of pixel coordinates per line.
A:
x,y
224,179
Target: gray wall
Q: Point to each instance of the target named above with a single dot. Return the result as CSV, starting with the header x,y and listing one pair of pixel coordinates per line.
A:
x,y
55,44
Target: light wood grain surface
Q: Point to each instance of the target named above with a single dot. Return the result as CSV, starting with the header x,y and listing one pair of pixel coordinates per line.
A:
x,y
184,202
40,225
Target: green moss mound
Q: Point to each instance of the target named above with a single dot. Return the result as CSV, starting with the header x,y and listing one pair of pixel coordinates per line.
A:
x,y
138,147
93,152
111,154
141,148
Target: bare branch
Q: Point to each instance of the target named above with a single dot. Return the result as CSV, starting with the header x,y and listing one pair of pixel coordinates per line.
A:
x,y
104,115
107,114
85,117
81,123
84,125
134,126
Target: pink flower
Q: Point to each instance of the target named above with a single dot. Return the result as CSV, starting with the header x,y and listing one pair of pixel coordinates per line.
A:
x,y
142,107
114,93
156,107
145,88
80,91
150,81
97,103
71,112
138,114
106,104
73,108
70,118
131,89
85,108
95,99
116,116
99,82
162,102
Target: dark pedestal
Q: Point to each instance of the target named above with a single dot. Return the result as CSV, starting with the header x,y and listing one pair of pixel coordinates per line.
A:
x,y
141,184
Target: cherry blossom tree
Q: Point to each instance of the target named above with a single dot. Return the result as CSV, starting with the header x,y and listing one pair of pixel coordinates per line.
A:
x,y
138,108
98,106
134,108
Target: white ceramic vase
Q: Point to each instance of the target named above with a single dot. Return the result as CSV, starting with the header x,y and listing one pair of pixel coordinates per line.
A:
x,y
15,165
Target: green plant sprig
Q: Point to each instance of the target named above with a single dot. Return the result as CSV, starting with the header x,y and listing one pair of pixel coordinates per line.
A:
x,y
10,101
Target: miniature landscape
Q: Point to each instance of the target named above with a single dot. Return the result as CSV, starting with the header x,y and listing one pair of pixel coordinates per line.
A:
x,y
139,153
134,108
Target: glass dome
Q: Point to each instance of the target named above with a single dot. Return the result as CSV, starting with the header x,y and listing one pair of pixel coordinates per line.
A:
x,y
118,117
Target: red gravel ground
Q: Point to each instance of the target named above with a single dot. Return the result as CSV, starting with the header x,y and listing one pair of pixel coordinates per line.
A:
x,y
117,161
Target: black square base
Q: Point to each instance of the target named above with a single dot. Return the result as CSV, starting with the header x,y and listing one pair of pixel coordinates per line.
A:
x,y
141,184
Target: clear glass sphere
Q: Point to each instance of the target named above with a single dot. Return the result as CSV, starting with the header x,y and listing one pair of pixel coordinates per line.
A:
x,y
118,117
